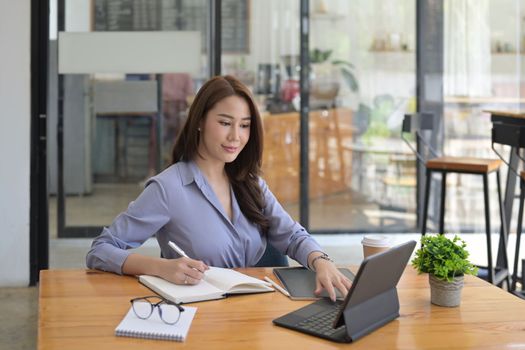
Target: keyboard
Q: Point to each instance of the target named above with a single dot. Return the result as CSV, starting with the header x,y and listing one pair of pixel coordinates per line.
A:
x,y
321,323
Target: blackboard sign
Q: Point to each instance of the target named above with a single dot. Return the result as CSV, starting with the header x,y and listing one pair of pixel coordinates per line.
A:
x,y
158,15
235,26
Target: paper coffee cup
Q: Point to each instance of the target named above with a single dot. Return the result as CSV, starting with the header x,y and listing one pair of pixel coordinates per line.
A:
x,y
373,244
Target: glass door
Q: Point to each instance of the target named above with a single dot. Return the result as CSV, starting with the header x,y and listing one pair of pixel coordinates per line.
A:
x,y
266,58
362,56
126,75
362,77
362,81
483,71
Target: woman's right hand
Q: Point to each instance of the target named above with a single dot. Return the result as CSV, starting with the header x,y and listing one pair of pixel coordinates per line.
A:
x,y
182,270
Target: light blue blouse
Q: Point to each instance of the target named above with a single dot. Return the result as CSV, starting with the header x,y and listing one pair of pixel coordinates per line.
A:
x,y
179,205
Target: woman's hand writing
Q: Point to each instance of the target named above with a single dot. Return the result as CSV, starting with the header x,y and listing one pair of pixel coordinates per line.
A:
x,y
182,270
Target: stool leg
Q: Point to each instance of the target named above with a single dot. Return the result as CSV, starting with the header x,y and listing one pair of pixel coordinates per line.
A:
x,y
518,239
442,212
425,206
490,271
522,277
504,231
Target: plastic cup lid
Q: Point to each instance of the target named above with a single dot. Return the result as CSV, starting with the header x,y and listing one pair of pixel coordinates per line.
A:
x,y
376,241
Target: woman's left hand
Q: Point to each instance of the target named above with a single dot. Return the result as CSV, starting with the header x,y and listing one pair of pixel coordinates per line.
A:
x,y
329,277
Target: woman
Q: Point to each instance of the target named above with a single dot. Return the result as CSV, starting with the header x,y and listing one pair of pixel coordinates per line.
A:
x,y
211,202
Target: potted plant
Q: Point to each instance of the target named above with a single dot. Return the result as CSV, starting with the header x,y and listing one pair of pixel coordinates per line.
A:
x,y
446,262
326,72
318,56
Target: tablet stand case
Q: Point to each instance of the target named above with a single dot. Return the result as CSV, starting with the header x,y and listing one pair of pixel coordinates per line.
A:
x,y
373,313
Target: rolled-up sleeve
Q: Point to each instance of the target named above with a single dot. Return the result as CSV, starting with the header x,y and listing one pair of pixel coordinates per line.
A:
x,y
286,234
130,229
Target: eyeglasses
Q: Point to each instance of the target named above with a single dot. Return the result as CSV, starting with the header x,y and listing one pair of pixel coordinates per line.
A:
x,y
169,312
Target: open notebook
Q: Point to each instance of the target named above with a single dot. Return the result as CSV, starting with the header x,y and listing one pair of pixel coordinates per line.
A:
x,y
154,327
216,284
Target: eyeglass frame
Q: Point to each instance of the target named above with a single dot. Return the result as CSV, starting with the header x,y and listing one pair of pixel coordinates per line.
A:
x,y
156,305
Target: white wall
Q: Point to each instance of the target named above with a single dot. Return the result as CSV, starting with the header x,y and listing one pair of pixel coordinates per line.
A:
x,y
14,142
505,20
78,15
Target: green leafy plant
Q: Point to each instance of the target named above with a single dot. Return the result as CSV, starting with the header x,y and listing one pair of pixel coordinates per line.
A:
x,y
443,257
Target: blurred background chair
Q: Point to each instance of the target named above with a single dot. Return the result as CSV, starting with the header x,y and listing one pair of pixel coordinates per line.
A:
x,y
272,258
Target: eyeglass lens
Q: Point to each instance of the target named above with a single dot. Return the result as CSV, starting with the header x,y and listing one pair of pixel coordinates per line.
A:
x,y
168,313
142,308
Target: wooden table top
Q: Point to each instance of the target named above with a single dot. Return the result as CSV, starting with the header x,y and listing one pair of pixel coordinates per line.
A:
x,y
513,114
79,309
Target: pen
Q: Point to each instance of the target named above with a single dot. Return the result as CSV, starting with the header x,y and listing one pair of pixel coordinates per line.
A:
x,y
177,249
278,287
181,252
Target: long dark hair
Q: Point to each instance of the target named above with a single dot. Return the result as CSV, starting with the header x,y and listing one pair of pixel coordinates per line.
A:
x,y
244,171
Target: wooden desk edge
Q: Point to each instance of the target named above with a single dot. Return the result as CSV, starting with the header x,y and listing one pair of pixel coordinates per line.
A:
x,y
514,114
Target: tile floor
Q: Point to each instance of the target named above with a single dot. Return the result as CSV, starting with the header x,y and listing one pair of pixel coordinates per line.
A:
x,y
19,306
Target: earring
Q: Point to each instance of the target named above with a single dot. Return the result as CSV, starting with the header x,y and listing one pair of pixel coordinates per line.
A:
x,y
198,129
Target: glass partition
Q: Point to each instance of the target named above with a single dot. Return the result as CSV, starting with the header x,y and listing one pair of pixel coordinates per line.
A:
x,y
266,58
123,103
483,71
362,82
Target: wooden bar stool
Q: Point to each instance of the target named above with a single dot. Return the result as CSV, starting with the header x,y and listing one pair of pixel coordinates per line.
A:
x,y
511,135
415,123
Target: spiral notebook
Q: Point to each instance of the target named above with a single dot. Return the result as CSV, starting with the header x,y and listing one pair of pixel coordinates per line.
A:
x,y
154,327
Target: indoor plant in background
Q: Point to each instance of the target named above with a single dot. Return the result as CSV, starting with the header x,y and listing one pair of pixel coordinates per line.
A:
x,y
325,75
446,262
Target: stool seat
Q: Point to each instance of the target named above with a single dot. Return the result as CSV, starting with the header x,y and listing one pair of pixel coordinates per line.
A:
x,y
464,164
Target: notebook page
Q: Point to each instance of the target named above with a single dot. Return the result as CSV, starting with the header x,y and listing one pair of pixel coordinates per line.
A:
x,y
181,293
232,281
154,327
